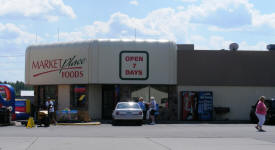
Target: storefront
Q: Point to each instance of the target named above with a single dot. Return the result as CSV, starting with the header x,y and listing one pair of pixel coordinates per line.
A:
x,y
92,76
226,82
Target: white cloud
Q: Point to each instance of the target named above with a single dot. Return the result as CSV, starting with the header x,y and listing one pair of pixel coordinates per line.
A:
x,y
47,9
218,43
71,36
97,28
257,46
245,13
12,34
212,42
52,18
179,25
218,29
265,19
134,2
148,27
180,8
13,42
189,1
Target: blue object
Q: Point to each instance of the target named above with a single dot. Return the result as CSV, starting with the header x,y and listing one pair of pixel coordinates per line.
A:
x,y
66,111
157,110
205,105
141,105
10,100
20,103
21,115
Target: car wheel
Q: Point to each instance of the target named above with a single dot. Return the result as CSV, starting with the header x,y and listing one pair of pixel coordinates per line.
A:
x,y
139,123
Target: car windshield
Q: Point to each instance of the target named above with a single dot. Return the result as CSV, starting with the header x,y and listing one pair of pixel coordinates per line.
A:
x,y
127,105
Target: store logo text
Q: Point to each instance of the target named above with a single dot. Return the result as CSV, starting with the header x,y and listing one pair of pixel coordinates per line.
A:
x,y
67,68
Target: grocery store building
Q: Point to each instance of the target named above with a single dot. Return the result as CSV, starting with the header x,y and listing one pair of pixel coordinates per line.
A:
x,y
92,76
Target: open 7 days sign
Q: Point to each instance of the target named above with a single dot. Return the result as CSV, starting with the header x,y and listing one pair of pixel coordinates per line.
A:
x,y
134,65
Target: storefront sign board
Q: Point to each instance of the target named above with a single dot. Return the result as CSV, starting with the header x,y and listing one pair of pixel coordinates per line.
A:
x,y
134,65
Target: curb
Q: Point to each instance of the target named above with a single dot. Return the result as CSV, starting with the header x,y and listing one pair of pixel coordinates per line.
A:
x,y
88,123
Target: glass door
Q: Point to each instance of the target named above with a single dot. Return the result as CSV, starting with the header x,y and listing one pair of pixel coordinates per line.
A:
x,y
108,100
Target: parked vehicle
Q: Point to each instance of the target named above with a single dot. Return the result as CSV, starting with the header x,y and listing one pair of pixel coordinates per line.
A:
x,y
270,114
127,111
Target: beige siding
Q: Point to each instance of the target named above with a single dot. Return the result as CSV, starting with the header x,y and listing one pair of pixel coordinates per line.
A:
x,y
95,101
63,97
238,98
27,64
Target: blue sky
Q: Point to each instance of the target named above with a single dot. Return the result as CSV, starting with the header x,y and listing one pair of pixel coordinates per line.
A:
x,y
209,24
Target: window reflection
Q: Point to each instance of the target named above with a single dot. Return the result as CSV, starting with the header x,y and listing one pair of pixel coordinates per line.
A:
x,y
44,92
160,92
79,99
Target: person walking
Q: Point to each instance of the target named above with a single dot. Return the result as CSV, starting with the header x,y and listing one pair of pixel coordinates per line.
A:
x,y
50,107
142,106
261,113
153,108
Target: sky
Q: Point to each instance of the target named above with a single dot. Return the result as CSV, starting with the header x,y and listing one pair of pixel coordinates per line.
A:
x,y
208,24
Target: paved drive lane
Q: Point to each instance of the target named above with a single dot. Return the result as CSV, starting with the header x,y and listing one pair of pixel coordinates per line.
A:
x,y
161,136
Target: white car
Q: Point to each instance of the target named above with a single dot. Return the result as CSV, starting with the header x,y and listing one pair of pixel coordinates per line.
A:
x,y
129,111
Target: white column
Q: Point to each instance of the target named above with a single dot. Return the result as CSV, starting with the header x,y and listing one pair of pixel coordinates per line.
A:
x,y
95,101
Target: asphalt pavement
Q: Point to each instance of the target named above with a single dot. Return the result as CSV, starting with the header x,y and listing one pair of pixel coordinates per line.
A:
x,y
160,136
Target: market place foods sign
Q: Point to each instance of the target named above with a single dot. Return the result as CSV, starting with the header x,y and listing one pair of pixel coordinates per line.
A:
x,y
134,65
71,67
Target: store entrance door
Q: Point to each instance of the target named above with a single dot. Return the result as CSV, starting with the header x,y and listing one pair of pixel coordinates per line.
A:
x,y
108,96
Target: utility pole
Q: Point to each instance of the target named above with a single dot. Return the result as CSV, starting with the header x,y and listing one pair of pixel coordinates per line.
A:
x,y
135,33
58,34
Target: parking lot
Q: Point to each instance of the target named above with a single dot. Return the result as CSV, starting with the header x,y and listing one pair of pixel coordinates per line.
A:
x,y
160,136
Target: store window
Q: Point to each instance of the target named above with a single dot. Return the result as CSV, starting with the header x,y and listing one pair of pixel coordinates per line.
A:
x,y
165,97
79,97
45,92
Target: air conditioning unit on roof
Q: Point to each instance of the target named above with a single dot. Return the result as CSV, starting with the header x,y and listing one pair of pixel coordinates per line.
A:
x,y
233,46
270,47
